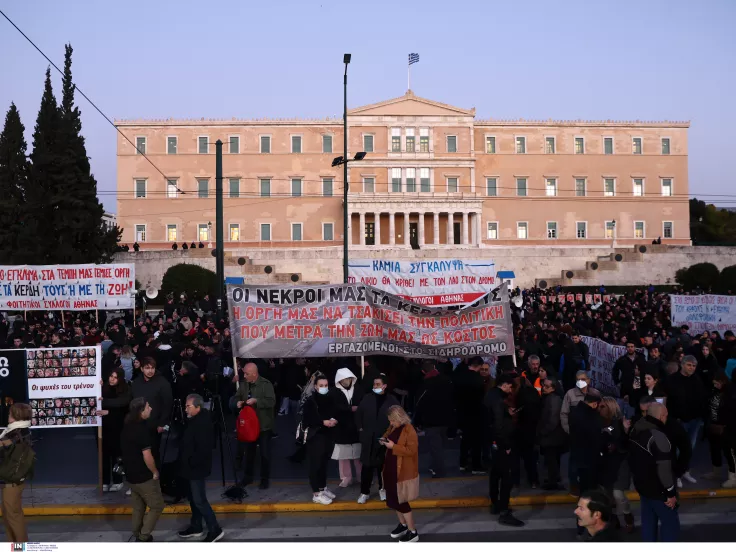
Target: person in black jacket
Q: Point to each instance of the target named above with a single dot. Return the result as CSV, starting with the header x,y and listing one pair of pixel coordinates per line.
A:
x,y
155,389
551,438
346,397
586,442
469,389
319,419
594,513
116,397
188,381
501,431
195,465
528,411
625,370
433,412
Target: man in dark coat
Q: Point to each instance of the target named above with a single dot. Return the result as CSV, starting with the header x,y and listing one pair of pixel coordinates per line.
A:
x,y
372,422
195,465
469,394
433,412
156,390
586,441
624,371
551,437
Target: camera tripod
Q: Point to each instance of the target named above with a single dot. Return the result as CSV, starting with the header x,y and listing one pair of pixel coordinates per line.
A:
x,y
218,421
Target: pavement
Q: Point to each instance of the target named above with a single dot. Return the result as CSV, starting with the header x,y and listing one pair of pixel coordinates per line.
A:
x,y
66,476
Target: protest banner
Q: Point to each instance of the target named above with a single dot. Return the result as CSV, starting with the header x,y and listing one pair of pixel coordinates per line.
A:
x,y
588,299
355,319
602,358
543,299
431,283
597,298
67,287
570,298
715,313
64,386
579,297
561,299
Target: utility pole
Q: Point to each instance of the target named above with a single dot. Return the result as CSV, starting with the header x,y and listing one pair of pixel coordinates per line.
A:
x,y
346,60
219,238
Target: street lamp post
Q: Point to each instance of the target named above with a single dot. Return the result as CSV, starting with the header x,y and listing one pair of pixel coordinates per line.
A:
x,y
346,61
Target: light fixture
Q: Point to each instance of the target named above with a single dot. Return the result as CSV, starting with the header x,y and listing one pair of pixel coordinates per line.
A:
x,y
338,161
359,156
346,58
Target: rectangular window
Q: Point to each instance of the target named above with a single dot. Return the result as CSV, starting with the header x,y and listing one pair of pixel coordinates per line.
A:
x,y
203,144
396,180
549,144
368,143
608,146
490,144
522,230
171,232
665,146
172,142
667,187
521,187
452,144
327,187
140,145
492,231
636,146
203,187
639,229
491,187
610,229
203,232
234,232
265,231
520,144
452,185
326,144
265,144
411,180
234,187
552,230
410,140
580,187
396,140
424,140
609,187
140,232
424,180
265,187
171,188
296,144
140,188
296,231
579,145
369,184
551,187
328,231
638,187
581,230
296,187
234,144
667,229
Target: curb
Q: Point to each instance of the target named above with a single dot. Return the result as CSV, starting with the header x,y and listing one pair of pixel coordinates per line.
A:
x,y
294,507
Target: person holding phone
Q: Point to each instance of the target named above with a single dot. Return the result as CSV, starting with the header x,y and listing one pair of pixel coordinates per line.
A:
x,y
319,418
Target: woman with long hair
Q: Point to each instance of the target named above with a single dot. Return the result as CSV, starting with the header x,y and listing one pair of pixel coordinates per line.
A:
x,y
126,361
401,472
116,396
319,421
614,475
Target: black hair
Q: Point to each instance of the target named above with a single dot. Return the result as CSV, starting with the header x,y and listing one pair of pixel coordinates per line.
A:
x,y
599,501
647,399
382,377
136,408
504,378
475,361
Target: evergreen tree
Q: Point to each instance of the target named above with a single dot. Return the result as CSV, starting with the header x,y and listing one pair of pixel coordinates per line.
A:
x,y
83,238
13,179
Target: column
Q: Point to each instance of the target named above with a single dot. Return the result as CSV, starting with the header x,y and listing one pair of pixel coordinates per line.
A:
x,y
361,229
349,230
421,228
407,242
450,229
377,226
465,228
436,228
479,221
391,228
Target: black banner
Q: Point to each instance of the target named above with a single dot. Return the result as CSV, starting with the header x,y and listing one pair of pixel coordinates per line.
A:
x,y
13,380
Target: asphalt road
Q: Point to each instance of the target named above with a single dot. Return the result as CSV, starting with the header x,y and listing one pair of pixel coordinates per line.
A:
x,y
702,521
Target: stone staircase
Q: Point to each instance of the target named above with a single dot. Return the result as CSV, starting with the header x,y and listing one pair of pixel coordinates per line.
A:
x,y
605,269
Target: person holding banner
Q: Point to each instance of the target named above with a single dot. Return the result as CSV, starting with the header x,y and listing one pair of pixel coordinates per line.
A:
x,y
116,397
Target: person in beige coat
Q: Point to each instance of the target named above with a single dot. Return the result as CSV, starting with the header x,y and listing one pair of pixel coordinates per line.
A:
x,y
401,472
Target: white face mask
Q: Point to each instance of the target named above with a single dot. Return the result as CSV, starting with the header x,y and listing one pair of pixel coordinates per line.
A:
x,y
581,384
378,391
323,390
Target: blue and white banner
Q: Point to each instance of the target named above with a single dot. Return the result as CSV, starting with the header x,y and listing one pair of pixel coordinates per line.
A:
x,y
713,313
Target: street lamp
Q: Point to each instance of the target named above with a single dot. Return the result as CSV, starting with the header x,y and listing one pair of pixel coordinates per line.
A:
x,y
613,234
209,234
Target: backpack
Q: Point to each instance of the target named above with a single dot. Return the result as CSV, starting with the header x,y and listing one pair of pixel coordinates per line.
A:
x,y
248,426
18,463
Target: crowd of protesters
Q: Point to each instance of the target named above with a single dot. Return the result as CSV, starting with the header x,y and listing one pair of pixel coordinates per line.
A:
x,y
512,415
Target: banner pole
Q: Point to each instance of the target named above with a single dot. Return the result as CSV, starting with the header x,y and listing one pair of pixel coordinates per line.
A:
x,y
63,324
362,367
97,315
25,316
99,459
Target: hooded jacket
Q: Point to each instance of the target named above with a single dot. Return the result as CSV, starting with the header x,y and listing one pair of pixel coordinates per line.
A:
x,y
346,431
157,393
650,458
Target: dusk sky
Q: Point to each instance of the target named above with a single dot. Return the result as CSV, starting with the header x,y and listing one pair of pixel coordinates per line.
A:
x,y
648,60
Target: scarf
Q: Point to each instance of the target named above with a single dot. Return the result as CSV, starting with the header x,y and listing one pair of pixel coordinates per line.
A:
x,y
15,425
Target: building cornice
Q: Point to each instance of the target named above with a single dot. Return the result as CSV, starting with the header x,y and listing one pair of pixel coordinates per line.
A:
x,y
579,123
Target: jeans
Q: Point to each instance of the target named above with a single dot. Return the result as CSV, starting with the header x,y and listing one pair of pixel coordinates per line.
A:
x,y
264,444
655,512
436,441
693,429
201,509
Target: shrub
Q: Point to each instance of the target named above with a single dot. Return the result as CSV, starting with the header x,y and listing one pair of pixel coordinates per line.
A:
x,y
191,279
727,280
702,275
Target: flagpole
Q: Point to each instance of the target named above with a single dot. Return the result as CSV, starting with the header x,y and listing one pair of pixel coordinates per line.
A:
x,y
408,78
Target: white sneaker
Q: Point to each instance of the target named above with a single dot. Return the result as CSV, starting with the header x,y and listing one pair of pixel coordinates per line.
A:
x,y
105,488
328,493
382,494
321,498
679,483
689,478
116,487
363,498
128,492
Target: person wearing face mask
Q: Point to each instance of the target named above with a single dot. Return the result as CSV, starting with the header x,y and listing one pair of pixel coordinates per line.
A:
x,y
346,397
372,422
573,397
319,417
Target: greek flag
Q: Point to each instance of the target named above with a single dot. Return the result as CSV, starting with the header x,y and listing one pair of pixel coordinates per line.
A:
x,y
413,58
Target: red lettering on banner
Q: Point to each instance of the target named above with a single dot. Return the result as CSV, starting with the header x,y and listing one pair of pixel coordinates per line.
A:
x,y
332,313
298,332
341,331
395,334
421,322
253,332
405,282
371,330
